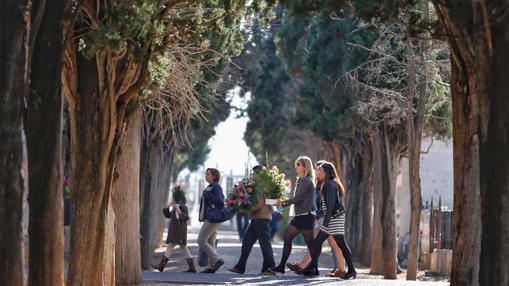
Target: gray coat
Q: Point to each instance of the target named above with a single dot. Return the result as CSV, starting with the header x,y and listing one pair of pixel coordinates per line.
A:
x,y
305,196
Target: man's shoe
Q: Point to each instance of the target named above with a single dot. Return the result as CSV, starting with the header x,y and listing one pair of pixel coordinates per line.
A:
x,y
208,270
235,270
267,273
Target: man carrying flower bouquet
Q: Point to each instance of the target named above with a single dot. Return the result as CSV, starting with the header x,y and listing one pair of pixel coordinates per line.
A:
x,y
258,229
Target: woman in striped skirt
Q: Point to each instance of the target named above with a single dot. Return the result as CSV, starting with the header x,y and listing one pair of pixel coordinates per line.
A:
x,y
334,221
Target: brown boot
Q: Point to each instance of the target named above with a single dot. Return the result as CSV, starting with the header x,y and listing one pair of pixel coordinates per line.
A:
x,y
190,265
161,264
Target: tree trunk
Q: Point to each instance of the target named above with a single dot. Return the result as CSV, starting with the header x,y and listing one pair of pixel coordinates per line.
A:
x,y
389,245
494,153
377,262
353,225
150,172
414,145
367,202
94,141
14,23
163,185
466,88
126,190
44,143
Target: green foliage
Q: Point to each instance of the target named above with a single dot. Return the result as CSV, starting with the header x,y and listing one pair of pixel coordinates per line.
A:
x,y
272,182
178,195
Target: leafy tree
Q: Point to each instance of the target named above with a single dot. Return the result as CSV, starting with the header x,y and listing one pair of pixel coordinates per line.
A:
x,y
476,41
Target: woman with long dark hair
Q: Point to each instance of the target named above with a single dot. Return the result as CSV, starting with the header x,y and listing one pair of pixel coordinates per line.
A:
x,y
305,209
334,221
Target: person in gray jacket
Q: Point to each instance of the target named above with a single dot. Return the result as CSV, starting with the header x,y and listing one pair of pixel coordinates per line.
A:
x,y
305,209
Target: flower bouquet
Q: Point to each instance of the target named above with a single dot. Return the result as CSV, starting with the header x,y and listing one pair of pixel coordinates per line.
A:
x,y
178,194
273,184
243,196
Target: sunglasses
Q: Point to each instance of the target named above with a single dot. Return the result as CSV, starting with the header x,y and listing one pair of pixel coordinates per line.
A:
x,y
298,164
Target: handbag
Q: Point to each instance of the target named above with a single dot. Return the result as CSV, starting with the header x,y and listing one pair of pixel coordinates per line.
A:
x,y
217,215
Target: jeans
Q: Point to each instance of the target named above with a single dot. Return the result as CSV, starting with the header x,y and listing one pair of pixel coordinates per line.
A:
x,y
257,230
242,223
206,241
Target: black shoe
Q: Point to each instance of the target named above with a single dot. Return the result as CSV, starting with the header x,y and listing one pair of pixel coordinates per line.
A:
x,y
278,269
208,270
308,272
350,275
217,265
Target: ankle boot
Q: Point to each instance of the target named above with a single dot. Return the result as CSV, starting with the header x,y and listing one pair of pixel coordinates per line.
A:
x,y
190,265
161,264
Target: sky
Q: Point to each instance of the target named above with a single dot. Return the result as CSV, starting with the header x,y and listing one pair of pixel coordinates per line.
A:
x,y
229,152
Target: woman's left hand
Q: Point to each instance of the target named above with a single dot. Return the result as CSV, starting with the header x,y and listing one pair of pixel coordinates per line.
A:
x,y
178,211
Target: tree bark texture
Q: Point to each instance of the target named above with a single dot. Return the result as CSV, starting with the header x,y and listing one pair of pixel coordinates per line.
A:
x,y
149,173
377,261
164,178
44,144
494,151
353,227
414,132
126,190
367,203
98,88
466,27
390,166
14,23
93,145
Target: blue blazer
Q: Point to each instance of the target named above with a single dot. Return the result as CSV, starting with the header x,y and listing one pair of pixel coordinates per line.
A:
x,y
212,195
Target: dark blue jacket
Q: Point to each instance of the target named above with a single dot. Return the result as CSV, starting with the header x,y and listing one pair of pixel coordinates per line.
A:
x,y
212,195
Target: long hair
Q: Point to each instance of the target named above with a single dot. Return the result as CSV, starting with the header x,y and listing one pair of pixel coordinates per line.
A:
x,y
332,174
318,164
308,166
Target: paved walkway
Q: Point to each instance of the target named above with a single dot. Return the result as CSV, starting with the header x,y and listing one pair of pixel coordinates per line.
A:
x,y
229,249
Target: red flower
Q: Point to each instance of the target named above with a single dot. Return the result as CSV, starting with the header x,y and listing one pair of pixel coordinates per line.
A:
x,y
249,190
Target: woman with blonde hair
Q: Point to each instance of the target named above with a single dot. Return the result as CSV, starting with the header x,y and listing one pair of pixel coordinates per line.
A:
x,y
305,209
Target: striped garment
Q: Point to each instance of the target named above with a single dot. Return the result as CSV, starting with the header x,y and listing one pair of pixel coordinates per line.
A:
x,y
336,224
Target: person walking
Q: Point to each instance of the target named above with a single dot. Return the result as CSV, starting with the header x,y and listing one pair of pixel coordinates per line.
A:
x,y
258,230
212,197
177,233
334,222
337,258
305,209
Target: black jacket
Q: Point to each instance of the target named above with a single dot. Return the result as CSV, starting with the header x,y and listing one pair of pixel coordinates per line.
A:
x,y
333,202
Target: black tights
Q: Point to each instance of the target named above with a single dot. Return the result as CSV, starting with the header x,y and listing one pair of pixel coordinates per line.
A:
x,y
316,250
290,233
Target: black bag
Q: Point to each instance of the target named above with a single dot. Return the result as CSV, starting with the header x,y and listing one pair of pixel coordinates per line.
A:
x,y
216,215
339,208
